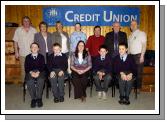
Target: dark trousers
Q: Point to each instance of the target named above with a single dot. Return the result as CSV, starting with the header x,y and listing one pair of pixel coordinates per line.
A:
x,y
125,88
57,84
35,85
106,82
139,70
80,84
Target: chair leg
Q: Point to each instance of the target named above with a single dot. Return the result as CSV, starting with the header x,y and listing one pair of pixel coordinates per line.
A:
x,y
47,90
24,91
91,87
69,87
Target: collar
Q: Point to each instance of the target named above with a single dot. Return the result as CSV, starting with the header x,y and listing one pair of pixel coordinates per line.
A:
x,y
124,56
32,54
102,57
60,54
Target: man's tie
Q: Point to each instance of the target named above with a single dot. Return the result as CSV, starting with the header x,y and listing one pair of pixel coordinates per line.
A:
x,y
34,57
122,59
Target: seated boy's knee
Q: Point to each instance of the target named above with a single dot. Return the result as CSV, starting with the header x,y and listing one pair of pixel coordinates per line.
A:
x,y
95,77
108,77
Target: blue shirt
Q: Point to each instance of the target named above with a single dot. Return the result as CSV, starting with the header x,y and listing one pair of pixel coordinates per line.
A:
x,y
75,38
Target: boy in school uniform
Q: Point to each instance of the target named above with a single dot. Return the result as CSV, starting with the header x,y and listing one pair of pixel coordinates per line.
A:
x,y
102,71
125,70
57,66
35,75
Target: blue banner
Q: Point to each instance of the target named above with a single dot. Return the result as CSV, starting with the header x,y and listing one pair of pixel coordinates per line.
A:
x,y
90,15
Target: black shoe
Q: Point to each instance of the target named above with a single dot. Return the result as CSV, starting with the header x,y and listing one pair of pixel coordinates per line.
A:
x,y
61,99
56,100
33,103
39,102
121,101
127,102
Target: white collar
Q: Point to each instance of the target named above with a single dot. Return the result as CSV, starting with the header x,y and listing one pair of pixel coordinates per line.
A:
x,y
60,54
36,54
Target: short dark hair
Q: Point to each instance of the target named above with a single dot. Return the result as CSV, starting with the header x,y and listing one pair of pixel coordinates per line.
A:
x,y
35,44
56,45
123,44
43,23
78,24
59,22
103,47
97,26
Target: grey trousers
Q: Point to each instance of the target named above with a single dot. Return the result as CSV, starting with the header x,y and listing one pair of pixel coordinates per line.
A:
x,y
99,87
125,88
35,86
57,85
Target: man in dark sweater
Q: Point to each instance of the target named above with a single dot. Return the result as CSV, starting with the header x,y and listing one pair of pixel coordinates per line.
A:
x,y
35,75
57,66
102,71
125,70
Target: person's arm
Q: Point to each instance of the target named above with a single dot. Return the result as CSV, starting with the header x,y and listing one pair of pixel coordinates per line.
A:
x,y
88,44
16,47
27,65
108,67
49,63
42,64
89,64
125,38
144,45
65,64
72,63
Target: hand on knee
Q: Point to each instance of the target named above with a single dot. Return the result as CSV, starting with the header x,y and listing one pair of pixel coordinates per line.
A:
x,y
61,73
52,74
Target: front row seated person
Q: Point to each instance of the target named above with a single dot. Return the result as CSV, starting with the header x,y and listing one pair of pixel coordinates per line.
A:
x,y
35,75
102,71
80,65
125,70
57,66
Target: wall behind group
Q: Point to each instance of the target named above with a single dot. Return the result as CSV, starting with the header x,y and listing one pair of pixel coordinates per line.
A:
x,y
14,13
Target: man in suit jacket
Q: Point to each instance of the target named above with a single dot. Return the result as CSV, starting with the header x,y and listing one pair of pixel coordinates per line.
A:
x,y
112,39
62,38
44,40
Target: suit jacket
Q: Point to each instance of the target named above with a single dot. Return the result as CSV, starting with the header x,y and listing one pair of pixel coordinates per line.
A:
x,y
38,38
56,38
109,40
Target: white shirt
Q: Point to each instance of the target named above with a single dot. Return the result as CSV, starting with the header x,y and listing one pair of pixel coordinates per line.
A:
x,y
24,39
124,57
80,58
45,38
34,55
64,43
137,42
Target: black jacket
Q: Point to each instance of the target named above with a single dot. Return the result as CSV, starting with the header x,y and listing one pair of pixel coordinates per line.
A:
x,y
109,40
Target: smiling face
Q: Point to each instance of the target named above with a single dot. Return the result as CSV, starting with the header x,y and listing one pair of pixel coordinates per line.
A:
x,y
56,49
122,50
77,27
116,27
81,47
103,52
133,25
26,23
97,32
43,28
59,27
34,48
